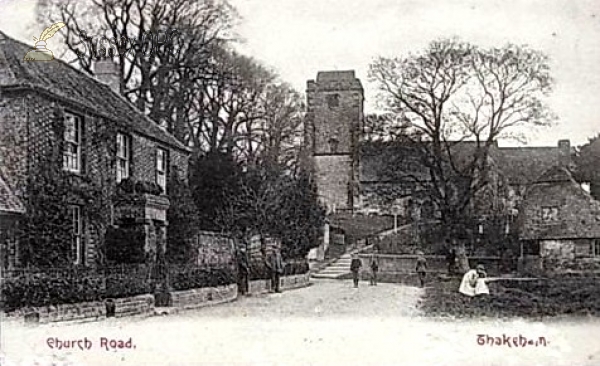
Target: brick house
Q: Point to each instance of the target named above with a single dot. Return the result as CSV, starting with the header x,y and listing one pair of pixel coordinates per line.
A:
x,y
51,108
559,222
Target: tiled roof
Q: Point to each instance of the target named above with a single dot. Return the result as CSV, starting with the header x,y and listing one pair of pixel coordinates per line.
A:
x,y
9,203
63,81
578,212
523,165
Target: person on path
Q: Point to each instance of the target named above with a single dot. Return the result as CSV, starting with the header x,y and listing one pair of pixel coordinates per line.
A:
x,y
473,282
355,267
243,269
374,269
451,261
275,266
421,267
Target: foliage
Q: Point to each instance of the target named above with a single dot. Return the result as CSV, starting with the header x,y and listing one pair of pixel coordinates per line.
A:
x,y
190,278
297,267
449,105
214,178
587,165
183,220
544,297
125,244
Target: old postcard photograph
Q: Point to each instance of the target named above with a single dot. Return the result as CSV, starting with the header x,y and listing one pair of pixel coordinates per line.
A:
x,y
332,182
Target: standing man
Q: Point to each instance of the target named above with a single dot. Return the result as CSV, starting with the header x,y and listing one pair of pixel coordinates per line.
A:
x,y
355,266
243,268
421,267
275,265
374,269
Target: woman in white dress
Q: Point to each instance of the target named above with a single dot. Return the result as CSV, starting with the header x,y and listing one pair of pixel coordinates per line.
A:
x,y
473,282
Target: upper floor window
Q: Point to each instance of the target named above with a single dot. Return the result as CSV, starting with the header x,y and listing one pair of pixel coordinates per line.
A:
x,y
123,156
333,100
549,213
72,140
161,168
333,145
77,244
595,248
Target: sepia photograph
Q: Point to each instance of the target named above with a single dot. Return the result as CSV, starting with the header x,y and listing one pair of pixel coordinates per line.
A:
x,y
293,182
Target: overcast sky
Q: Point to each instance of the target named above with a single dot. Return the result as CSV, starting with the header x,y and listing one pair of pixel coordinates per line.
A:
x,y
300,37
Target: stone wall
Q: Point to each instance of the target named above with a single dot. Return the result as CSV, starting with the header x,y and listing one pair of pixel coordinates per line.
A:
x,y
136,305
201,297
258,287
87,311
333,174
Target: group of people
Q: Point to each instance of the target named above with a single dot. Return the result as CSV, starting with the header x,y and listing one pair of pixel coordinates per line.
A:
x,y
356,265
273,263
473,282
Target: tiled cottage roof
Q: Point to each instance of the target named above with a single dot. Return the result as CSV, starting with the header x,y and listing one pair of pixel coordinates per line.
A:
x,y
9,203
577,213
65,82
522,165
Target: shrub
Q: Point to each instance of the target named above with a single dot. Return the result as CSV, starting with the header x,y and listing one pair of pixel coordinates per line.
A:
x,y
43,289
190,278
295,268
125,244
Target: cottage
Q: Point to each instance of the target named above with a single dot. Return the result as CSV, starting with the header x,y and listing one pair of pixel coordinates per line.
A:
x,y
559,222
51,112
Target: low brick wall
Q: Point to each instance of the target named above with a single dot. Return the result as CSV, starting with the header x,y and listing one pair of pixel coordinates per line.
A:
x,y
196,298
257,287
295,281
405,264
136,305
93,310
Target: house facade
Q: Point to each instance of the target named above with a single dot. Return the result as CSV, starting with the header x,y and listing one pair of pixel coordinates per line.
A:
x,y
52,113
559,222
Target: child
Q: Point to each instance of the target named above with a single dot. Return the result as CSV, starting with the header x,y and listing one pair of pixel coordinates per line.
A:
x,y
374,270
355,266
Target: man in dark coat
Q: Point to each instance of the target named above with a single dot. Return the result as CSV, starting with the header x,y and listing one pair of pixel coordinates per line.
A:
x,y
275,266
355,266
243,269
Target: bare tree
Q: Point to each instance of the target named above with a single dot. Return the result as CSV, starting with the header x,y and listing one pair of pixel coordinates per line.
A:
x,y
455,100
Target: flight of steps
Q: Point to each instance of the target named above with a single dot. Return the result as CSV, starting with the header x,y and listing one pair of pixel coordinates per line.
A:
x,y
337,269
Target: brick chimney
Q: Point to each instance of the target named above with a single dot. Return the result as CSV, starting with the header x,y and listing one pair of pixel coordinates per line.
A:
x,y
107,72
564,153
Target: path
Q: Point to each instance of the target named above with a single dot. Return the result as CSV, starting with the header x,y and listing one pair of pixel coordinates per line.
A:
x,y
329,323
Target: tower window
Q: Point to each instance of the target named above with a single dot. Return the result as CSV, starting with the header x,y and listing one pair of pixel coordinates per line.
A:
x,y
333,145
333,100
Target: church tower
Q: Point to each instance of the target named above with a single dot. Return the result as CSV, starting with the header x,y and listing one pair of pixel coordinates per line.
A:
x,y
334,123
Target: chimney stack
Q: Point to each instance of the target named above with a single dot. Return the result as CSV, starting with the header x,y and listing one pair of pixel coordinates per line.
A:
x,y
564,153
107,72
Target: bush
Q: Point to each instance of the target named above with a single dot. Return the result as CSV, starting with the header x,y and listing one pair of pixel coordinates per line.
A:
x,y
191,278
125,244
295,268
42,290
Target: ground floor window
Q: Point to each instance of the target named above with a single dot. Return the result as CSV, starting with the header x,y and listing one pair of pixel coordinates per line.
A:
x,y
77,250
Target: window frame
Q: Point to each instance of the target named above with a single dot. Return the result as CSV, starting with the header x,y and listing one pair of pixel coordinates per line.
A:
x,y
77,234
127,140
549,213
161,172
68,156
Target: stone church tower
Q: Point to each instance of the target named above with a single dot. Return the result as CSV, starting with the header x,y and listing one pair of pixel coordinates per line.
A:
x,y
334,124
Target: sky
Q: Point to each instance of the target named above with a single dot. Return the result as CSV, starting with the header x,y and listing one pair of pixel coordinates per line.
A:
x,y
298,38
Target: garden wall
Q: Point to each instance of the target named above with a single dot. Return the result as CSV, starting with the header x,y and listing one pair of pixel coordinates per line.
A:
x,y
200,297
86,311
404,264
257,287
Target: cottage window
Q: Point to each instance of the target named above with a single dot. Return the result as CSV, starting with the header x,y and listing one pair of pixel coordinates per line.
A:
x,y
549,213
72,140
123,156
77,245
161,168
